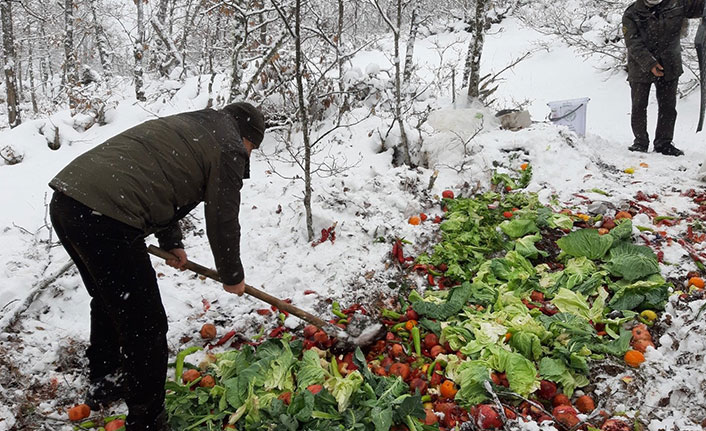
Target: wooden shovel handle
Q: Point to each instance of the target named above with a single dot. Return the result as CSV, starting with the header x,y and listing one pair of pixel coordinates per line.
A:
x,y
257,293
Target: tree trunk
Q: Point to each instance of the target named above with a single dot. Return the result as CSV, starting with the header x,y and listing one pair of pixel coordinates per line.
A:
x,y
304,118
101,42
9,57
398,89
70,71
139,52
240,36
175,59
409,55
30,61
475,50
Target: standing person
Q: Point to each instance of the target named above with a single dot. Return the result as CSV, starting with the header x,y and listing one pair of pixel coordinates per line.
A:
x,y
652,30
106,202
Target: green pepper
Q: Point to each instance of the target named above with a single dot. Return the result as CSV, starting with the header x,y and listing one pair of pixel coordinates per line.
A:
x,y
336,308
390,314
416,337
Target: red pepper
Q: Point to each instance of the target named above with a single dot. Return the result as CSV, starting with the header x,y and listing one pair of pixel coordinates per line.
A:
x,y
309,292
277,332
430,279
660,256
206,304
263,312
224,339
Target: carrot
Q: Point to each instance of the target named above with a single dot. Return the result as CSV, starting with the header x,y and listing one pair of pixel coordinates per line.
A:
x,y
414,220
79,412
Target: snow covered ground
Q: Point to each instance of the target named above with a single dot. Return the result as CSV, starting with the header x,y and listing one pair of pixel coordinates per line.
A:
x,y
41,366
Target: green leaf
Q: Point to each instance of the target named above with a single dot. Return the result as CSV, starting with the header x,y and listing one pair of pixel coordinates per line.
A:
x,y
518,228
457,298
310,370
528,344
632,262
622,230
650,293
382,418
555,370
471,376
587,243
343,388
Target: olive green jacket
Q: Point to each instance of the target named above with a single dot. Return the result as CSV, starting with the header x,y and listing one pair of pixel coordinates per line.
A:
x,y
652,35
152,175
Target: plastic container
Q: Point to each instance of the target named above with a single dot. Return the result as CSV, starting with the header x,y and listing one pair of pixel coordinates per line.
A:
x,y
571,113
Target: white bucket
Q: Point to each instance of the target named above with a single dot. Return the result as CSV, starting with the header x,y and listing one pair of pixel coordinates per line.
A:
x,y
571,113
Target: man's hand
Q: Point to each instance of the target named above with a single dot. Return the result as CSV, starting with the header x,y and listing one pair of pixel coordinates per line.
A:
x,y
180,260
238,289
658,70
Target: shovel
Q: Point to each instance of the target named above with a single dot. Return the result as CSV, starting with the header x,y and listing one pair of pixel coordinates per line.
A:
x,y
346,341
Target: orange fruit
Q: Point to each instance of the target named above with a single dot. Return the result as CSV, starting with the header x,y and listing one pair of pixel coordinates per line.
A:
x,y
634,358
448,389
697,282
414,220
79,412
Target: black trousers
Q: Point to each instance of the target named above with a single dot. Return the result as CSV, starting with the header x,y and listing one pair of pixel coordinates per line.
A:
x,y
666,112
128,321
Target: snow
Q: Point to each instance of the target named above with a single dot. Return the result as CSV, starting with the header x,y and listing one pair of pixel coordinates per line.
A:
x,y
372,199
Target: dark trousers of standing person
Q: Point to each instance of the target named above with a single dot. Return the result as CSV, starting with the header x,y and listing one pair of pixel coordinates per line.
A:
x,y
666,113
128,321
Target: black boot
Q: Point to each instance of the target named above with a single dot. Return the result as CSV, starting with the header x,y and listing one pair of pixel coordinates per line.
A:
x,y
104,392
669,150
140,419
641,148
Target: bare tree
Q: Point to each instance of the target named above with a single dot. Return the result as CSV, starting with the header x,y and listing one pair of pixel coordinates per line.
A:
x,y
70,67
101,41
396,29
471,71
139,52
8,44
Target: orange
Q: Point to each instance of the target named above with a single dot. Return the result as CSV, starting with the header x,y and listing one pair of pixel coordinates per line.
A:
x,y
410,324
634,358
697,282
448,389
414,220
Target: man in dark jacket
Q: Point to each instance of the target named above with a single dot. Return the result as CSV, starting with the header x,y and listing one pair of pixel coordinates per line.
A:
x,y
106,202
652,31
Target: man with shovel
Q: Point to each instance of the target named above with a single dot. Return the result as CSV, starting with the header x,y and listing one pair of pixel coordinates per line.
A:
x,y
106,202
652,30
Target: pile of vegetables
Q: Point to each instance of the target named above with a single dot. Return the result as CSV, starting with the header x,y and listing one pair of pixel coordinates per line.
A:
x,y
519,302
